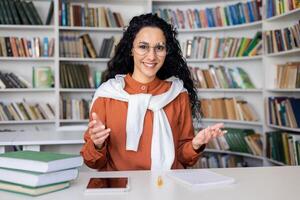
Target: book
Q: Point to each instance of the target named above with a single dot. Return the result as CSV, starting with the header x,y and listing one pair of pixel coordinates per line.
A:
x,y
33,191
200,178
39,161
36,179
42,77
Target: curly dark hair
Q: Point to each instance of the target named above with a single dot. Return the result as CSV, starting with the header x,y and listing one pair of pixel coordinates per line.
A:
x,y
174,64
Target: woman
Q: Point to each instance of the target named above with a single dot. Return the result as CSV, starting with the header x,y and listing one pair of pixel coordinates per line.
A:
x,y
141,117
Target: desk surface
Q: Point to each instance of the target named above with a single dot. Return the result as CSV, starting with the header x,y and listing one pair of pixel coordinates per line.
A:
x,y
261,183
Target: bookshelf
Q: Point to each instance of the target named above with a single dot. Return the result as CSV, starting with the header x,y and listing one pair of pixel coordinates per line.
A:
x,y
270,62
260,67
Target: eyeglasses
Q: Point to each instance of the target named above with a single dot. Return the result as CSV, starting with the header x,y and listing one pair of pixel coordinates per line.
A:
x,y
144,48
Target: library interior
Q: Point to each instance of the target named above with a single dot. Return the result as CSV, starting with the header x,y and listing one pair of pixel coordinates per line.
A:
x,y
65,117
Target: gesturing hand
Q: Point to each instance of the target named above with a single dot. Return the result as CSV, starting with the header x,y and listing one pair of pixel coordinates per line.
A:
x,y
205,135
97,131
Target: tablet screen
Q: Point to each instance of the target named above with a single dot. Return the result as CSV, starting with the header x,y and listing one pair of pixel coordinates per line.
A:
x,y
108,183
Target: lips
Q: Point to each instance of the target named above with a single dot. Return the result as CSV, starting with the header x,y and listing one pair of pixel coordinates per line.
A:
x,y
150,65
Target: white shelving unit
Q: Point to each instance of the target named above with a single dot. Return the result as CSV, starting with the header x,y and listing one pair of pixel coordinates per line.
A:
x,y
270,61
260,68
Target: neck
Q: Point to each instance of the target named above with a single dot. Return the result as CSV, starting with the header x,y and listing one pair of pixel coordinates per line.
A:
x,y
142,80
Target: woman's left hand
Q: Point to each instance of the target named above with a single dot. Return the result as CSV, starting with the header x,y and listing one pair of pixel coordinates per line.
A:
x,y
205,135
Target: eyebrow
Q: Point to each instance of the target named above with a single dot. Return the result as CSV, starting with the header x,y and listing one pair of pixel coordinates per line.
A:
x,y
158,43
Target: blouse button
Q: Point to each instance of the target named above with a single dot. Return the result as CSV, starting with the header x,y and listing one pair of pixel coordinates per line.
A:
x,y
143,87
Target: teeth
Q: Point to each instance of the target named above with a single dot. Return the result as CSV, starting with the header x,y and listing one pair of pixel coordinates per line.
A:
x,y
149,64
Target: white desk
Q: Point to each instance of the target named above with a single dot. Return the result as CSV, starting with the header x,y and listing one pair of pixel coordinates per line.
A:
x,y
263,183
33,140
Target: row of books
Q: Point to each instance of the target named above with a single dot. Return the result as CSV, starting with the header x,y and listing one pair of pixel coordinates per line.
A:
x,y
74,109
81,46
283,147
238,140
278,7
219,161
36,173
288,75
284,111
26,111
206,47
78,76
282,39
11,80
19,12
239,13
24,47
228,108
83,15
42,77
221,77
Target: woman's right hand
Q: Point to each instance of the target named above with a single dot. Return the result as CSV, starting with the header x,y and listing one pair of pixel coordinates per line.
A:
x,y
97,131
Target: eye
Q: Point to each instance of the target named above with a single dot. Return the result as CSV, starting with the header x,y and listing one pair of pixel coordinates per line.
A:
x,y
160,48
143,46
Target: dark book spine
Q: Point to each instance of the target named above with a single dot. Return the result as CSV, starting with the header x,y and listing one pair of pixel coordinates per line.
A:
x,y
35,13
8,47
50,13
21,12
28,13
14,12
8,12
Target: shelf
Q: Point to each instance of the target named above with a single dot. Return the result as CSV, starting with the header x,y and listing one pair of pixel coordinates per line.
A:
x,y
83,28
81,90
278,17
27,90
275,162
284,90
225,59
284,128
28,122
186,1
73,120
209,120
233,153
239,90
284,53
26,59
225,28
27,27
84,59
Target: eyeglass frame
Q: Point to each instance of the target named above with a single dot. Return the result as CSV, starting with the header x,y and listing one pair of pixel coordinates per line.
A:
x,y
149,47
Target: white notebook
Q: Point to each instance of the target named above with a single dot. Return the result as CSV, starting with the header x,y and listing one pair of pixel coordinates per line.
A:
x,y
200,178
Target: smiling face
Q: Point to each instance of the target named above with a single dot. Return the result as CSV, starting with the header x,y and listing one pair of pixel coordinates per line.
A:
x,y
149,53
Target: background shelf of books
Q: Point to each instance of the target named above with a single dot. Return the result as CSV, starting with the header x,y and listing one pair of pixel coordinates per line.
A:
x,y
222,42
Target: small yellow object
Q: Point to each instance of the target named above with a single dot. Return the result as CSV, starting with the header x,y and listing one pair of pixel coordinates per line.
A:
x,y
160,181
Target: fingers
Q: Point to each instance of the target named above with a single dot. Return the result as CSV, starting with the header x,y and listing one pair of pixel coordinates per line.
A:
x,y
96,118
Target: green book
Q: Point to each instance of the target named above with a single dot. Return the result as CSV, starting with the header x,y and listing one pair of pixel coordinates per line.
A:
x,y
42,77
247,83
33,191
37,179
39,161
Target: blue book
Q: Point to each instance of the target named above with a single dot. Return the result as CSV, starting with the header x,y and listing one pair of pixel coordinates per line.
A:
x,y
233,15
228,15
46,45
198,22
210,18
237,11
250,10
242,14
296,109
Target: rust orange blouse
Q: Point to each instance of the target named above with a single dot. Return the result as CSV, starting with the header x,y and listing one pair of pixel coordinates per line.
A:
x,y
113,113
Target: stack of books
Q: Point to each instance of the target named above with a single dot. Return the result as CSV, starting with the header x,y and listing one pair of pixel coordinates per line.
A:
x,y
35,173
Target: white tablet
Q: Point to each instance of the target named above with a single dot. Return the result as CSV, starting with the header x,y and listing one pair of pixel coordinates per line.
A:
x,y
107,184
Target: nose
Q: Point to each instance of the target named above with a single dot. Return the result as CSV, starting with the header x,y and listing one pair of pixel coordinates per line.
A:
x,y
151,54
